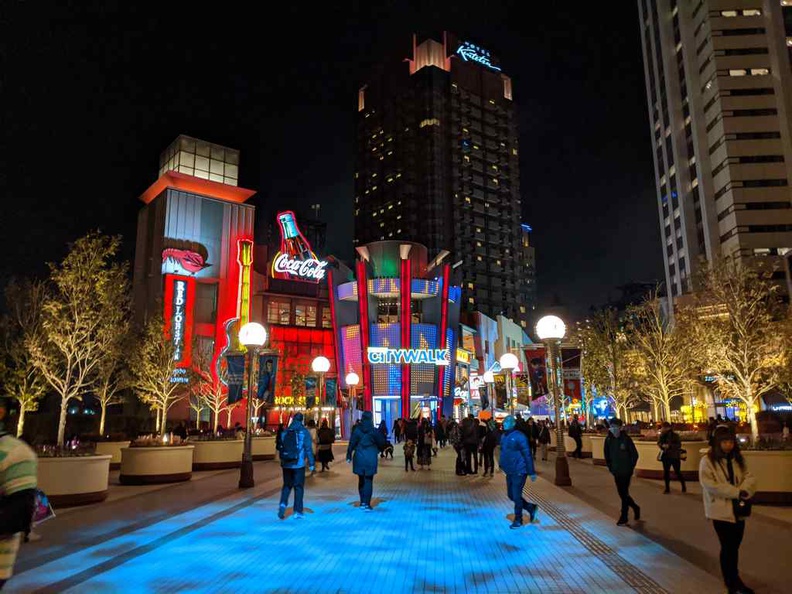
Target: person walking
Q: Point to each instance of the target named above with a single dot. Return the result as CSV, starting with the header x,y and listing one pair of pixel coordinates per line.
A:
x,y
517,463
425,444
533,436
294,449
364,446
313,430
576,433
726,483
621,456
440,434
324,450
397,430
383,428
470,443
670,446
409,454
544,438
491,440
454,434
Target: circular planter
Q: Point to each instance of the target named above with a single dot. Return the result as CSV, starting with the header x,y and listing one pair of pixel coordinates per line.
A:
x,y
211,455
773,472
264,447
597,449
113,448
74,481
650,467
156,464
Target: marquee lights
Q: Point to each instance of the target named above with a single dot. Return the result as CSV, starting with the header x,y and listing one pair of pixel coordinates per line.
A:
x,y
386,356
473,53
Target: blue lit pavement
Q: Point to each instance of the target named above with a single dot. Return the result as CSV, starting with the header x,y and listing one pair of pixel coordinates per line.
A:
x,y
430,531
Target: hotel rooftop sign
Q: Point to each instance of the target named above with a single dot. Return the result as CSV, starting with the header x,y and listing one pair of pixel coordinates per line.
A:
x,y
473,53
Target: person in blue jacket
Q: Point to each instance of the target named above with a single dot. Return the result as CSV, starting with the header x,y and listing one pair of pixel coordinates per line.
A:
x,y
363,451
516,461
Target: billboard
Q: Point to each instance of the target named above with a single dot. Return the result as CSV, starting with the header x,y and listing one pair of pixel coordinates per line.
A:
x,y
537,370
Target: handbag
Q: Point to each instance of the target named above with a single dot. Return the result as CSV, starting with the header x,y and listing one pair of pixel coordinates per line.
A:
x,y
683,454
742,508
43,510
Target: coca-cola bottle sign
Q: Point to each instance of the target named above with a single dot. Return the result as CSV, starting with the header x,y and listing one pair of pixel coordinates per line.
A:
x,y
296,260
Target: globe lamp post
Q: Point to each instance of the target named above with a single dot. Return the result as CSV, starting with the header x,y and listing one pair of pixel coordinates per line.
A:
x,y
489,380
509,362
321,365
252,336
550,330
352,380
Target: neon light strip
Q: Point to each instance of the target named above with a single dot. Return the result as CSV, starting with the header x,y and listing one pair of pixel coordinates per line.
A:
x,y
386,356
336,336
441,339
406,328
362,281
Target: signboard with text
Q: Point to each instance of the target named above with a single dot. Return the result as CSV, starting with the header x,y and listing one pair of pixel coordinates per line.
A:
x,y
179,302
296,259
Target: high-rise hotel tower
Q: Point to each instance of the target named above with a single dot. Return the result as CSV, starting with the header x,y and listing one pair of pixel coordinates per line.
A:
x,y
719,95
437,164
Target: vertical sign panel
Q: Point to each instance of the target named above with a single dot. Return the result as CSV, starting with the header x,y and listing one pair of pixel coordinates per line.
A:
x,y
178,314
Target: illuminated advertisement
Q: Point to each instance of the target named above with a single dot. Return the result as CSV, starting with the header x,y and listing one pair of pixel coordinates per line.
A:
x,y
473,53
296,260
382,355
268,372
179,300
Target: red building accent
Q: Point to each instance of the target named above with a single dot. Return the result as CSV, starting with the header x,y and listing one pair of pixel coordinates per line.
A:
x,y
405,308
442,339
362,281
170,281
336,338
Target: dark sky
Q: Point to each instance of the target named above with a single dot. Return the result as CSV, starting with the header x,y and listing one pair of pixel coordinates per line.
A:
x,y
91,92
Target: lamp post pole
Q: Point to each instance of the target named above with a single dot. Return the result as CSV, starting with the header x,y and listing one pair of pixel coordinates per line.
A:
x,y
252,336
562,477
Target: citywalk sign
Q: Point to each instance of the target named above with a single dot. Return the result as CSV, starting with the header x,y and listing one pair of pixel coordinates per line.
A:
x,y
386,356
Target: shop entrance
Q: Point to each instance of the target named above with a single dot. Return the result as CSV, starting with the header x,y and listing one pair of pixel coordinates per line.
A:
x,y
387,409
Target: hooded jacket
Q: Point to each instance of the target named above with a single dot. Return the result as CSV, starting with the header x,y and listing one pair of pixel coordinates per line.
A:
x,y
515,453
364,446
304,444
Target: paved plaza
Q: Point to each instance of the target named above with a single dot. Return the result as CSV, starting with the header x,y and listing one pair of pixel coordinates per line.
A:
x,y
430,531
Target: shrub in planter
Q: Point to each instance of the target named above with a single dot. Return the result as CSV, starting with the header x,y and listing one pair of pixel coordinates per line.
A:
x,y
73,476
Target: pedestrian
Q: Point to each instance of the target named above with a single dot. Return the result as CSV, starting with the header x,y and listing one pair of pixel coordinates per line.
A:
x,y
440,435
533,436
544,438
491,439
516,462
576,433
278,435
18,484
397,430
411,430
671,453
364,445
324,450
470,443
621,456
313,430
425,442
295,447
409,454
455,439
383,428
711,424
726,487
481,431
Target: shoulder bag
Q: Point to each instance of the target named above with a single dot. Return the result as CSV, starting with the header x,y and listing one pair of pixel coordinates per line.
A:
x,y
741,507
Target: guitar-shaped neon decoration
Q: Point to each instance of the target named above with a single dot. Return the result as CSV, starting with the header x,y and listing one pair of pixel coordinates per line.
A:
x,y
232,326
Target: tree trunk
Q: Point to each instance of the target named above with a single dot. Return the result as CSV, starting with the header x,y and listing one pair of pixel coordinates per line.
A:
x,y
102,418
198,419
667,410
216,419
64,409
21,422
163,423
752,420
157,420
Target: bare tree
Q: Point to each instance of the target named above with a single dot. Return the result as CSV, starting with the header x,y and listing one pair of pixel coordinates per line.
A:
x,y
212,392
154,369
737,331
88,287
197,403
19,377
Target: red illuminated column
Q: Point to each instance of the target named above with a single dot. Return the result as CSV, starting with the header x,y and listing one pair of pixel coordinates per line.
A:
x,y
362,282
441,339
405,282
336,341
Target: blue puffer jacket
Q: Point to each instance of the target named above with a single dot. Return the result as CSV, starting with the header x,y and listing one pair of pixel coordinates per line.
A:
x,y
366,443
304,443
515,454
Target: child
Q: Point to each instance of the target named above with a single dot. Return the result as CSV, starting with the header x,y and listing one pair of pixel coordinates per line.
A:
x,y
409,454
388,451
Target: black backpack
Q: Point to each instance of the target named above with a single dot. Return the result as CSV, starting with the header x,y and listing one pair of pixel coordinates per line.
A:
x,y
290,447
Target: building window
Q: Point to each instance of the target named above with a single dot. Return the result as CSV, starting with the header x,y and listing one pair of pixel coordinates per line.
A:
x,y
327,321
387,312
205,303
279,312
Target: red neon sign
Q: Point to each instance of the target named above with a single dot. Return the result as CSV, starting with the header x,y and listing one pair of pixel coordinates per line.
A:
x,y
179,303
296,260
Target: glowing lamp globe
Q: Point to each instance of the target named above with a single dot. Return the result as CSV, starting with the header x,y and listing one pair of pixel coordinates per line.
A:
x,y
550,327
509,361
252,335
321,365
352,379
489,377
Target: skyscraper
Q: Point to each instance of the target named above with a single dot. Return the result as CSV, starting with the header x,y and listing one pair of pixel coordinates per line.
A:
x,y
719,95
437,164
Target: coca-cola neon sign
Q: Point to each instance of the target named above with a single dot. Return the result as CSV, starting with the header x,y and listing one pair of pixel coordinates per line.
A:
x,y
296,260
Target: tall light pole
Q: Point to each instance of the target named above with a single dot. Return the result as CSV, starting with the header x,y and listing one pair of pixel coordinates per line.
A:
x,y
252,336
321,365
352,380
489,379
509,362
550,330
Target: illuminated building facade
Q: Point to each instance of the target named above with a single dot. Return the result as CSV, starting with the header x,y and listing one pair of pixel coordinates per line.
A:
x,y
396,319
437,163
194,249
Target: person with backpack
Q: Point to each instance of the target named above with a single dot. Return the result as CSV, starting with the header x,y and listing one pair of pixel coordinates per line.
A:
x,y
294,448
363,451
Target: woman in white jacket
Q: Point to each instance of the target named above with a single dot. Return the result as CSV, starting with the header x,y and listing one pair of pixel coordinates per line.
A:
x,y
725,480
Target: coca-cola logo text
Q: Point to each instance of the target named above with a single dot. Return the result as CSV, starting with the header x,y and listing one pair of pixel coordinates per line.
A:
x,y
309,269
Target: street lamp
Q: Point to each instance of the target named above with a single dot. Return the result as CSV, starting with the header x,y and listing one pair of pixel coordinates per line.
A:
x,y
352,380
253,336
550,330
321,365
509,362
489,379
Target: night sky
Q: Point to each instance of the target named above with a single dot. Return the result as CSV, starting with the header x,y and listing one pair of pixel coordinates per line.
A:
x,y
91,92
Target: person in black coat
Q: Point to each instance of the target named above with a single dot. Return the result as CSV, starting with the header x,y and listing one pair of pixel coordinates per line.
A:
x,y
576,433
363,451
470,442
621,456
670,446
325,438
491,440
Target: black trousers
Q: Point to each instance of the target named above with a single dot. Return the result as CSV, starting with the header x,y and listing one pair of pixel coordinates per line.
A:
x,y
408,461
578,453
676,463
365,488
514,487
489,461
471,458
293,478
730,535
533,444
623,487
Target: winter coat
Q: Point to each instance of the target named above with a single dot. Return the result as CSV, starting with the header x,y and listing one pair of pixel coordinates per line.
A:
x,y
674,443
411,430
544,435
364,448
409,448
469,432
621,455
304,444
718,492
515,454
491,440
575,431
454,434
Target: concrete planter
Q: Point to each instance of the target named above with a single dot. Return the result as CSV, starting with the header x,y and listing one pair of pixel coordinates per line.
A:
x,y
773,472
211,455
113,448
264,447
570,446
650,467
156,464
74,481
598,449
